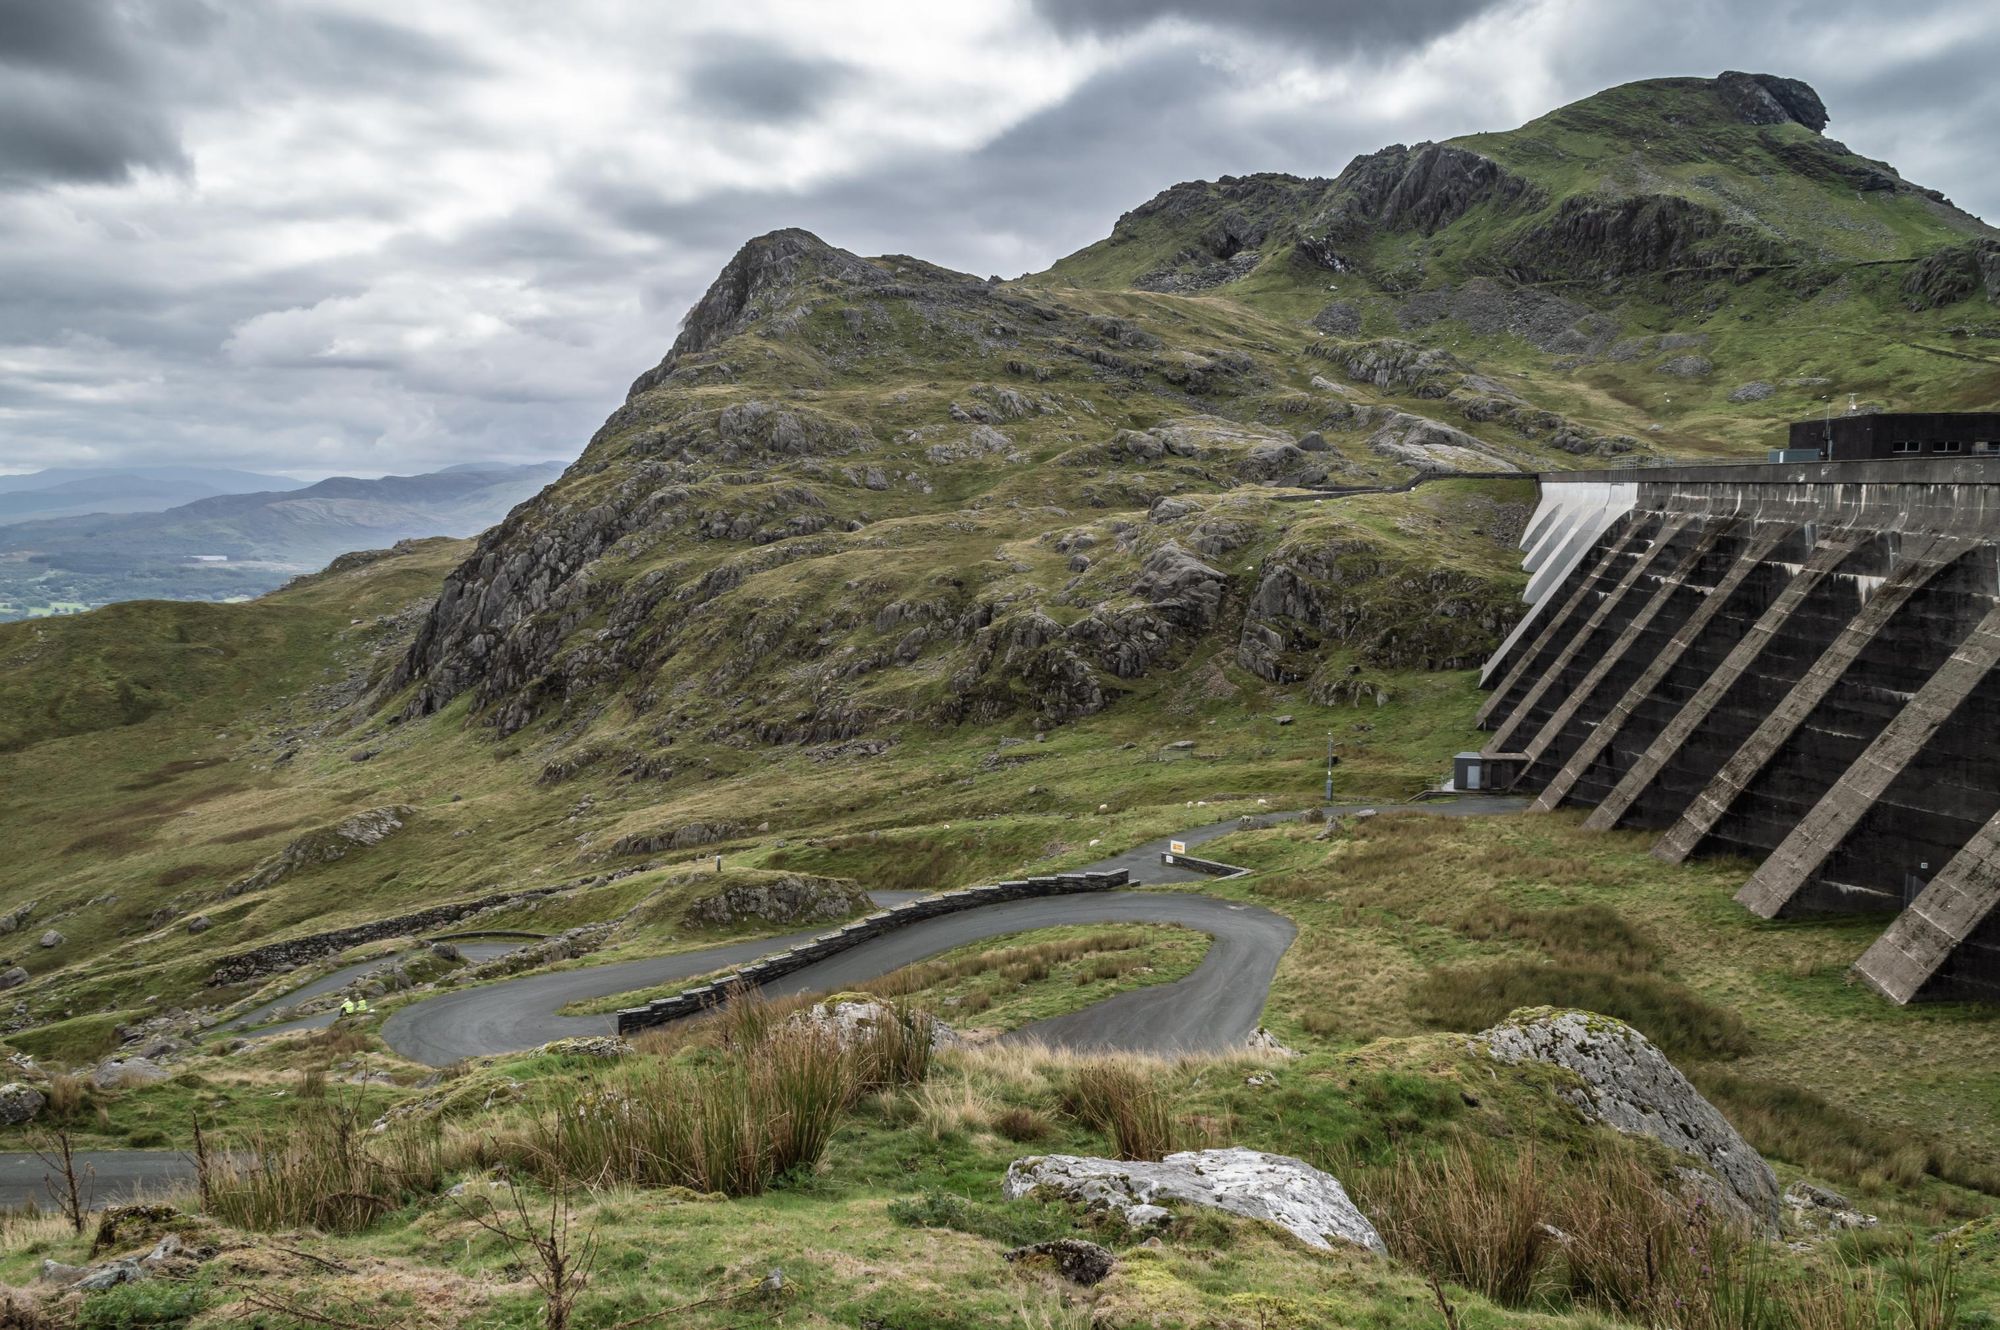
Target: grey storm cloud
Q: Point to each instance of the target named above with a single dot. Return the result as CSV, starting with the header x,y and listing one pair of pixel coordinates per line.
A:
x,y
1327,25
761,81
74,100
365,235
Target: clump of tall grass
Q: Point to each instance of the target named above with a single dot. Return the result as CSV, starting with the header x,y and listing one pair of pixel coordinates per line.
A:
x,y
1603,1233
1121,1100
327,1170
732,1120
1798,1125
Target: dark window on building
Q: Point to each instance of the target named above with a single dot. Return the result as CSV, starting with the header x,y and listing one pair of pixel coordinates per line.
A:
x,y
1985,447
1947,446
1909,447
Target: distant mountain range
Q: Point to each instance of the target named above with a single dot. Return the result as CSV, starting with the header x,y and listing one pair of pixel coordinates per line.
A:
x,y
72,491
222,546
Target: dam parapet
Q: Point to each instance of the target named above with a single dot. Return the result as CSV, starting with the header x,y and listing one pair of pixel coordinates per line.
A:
x,y
1795,663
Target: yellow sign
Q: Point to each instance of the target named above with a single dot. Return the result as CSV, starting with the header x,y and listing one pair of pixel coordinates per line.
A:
x,y
1176,847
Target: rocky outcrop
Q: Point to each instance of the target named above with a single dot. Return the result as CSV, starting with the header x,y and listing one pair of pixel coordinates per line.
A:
x,y
1421,189
761,282
1766,99
1076,1260
1948,276
1280,1190
20,1103
789,899
13,977
1427,445
1319,591
690,836
328,845
1599,236
1628,1084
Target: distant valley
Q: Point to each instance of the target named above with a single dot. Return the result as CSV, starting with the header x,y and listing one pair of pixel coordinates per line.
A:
x,y
175,533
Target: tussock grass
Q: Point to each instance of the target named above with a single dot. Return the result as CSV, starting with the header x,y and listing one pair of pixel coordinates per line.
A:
x,y
1798,1125
1670,1014
1603,1233
732,1120
1120,1099
327,1170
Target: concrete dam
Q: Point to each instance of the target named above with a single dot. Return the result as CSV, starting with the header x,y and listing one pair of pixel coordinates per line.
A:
x,y
1796,663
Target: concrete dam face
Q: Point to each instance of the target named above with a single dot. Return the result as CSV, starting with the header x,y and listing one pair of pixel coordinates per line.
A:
x,y
1796,663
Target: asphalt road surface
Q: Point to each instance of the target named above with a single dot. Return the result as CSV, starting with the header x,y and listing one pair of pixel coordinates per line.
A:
x,y
1213,1007
1216,1006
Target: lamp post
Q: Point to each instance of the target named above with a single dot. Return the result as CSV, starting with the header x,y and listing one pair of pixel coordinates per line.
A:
x,y
1329,766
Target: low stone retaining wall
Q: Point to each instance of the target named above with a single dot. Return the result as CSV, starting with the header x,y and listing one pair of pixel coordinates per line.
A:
x,y
703,996
294,952
1212,867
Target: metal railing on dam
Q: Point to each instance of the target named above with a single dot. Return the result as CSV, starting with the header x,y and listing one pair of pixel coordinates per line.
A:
x,y
1798,663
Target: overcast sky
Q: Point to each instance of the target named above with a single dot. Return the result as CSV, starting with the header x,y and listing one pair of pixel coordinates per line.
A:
x,y
357,236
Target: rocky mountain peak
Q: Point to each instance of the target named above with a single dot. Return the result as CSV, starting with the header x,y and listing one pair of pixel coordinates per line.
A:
x,y
764,277
1767,99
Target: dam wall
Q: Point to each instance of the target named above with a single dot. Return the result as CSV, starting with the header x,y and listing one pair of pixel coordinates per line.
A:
x,y
1797,664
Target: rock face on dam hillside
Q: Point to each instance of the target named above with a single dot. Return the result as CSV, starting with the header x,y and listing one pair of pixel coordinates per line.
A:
x,y
1798,664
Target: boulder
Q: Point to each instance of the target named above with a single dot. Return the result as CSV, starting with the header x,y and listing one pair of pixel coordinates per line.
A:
x,y
851,1020
789,899
1815,1210
52,939
1628,1084
20,1103
117,1073
1277,1189
201,923
1757,391
1074,1259
12,977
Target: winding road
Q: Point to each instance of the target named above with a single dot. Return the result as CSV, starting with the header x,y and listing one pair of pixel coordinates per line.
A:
x,y
1216,1006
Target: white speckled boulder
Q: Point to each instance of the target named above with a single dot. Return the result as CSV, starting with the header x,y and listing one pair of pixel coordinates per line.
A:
x,y
1630,1085
1275,1188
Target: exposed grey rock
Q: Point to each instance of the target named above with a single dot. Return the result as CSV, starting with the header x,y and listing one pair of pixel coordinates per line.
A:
x,y
117,1073
1686,367
587,1046
1078,1261
20,1103
52,939
1175,580
1766,99
1277,1189
201,923
1753,392
851,1020
1630,1085
1429,445
1815,1210
328,845
13,977
790,899
1340,317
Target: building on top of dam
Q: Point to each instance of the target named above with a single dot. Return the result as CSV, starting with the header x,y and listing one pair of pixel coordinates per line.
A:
x,y
1797,664
1872,436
